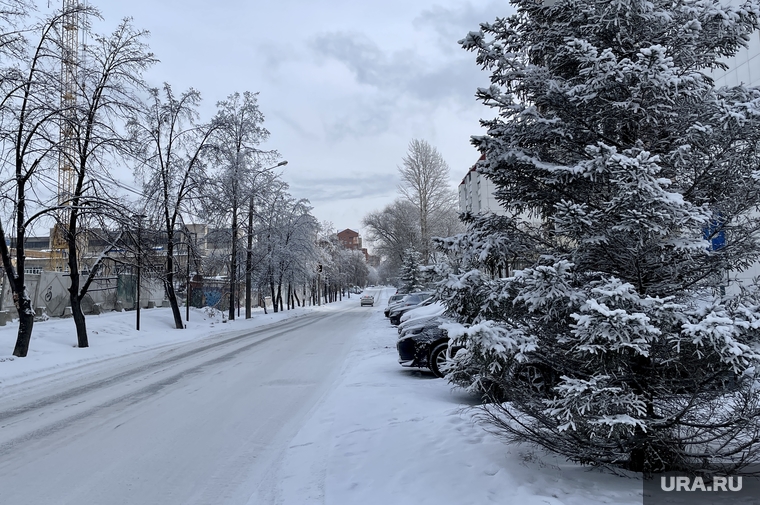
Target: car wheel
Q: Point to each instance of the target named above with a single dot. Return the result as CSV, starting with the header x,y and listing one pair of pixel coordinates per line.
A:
x,y
438,358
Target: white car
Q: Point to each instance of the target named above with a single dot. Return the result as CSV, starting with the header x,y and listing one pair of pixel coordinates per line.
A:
x,y
368,300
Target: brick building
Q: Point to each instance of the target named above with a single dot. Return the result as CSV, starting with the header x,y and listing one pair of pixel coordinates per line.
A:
x,y
350,239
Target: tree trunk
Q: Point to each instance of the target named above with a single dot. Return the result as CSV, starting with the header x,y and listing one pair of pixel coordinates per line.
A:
x,y
249,261
76,308
80,322
274,296
424,233
74,281
170,293
25,323
16,279
295,296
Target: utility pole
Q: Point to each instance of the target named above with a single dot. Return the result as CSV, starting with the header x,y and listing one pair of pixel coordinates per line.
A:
x,y
188,288
139,217
319,285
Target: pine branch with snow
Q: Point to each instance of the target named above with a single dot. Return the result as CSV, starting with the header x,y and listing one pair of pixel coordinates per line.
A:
x,y
611,336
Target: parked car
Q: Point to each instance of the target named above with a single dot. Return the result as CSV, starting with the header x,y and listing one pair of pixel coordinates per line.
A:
x,y
418,325
367,300
425,348
409,299
392,301
410,302
421,315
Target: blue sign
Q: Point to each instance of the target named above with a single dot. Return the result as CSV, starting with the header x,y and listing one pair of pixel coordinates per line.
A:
x,y
715,233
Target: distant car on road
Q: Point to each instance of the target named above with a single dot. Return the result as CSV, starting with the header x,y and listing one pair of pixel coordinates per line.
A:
x,y
368,300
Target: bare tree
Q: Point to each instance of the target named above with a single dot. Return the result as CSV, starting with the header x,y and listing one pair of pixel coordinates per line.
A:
x,y
285,244
392,230
30,107
425,183
172,166
262,183
238,139
354,267
109,78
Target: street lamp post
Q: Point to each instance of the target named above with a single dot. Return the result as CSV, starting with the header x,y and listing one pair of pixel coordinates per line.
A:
x,y
188,289
139,217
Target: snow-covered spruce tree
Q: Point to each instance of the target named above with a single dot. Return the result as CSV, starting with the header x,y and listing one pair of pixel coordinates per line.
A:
x,y
410,275
615,346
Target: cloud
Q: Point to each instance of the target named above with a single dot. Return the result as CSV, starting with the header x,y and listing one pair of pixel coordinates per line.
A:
x,y
358,186
406,71
296,125
452,24
274,55
392,83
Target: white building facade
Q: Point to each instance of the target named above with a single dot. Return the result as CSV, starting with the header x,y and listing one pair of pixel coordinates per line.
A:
x,y
744,69
476,194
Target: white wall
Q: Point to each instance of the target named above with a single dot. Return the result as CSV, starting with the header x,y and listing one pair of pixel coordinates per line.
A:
x,y
744,67
476,195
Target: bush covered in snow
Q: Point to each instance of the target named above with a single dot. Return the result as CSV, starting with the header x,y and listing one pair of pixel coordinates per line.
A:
x,y
615,345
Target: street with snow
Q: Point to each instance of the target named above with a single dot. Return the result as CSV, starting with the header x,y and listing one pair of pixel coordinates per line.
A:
x,y
307,406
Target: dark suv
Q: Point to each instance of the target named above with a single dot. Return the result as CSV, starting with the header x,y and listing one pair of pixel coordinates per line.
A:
x,y
425,346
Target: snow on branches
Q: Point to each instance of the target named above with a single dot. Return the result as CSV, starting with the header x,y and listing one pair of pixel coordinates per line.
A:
x,y
603,332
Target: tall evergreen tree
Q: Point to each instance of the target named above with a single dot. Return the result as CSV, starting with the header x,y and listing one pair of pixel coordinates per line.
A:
x,y
616,345
411,275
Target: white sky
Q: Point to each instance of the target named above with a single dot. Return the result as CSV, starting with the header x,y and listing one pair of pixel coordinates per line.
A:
x,y
344,85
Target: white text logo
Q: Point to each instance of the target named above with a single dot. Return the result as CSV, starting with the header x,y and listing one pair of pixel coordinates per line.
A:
x,y
698,484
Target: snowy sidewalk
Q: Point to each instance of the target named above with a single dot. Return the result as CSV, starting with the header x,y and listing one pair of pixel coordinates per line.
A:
x,y
389,435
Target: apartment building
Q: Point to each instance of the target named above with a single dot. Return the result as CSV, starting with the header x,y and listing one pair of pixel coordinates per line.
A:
x,y
476,194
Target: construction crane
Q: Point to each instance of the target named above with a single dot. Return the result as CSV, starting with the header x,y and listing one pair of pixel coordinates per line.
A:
x,y
66,172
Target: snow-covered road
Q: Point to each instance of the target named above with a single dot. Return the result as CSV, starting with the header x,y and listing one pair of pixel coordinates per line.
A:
x,y
303,407
196,423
